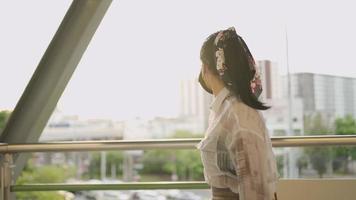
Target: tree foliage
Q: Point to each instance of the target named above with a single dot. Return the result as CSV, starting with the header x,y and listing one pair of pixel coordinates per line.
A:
x,y
4,116
43,174
115,158
318,156
186,164
342,154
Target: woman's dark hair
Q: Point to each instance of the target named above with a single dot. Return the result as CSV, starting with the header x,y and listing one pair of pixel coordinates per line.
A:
x,y
237,60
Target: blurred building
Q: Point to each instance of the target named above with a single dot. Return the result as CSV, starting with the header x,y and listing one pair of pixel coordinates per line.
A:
x,y
332,96
68,128
194,103
276,118
270,78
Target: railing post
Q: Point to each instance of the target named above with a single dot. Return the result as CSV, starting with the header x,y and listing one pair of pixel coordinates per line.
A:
x,y
6,174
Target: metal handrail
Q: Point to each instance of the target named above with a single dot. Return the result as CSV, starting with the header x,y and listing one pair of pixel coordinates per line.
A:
x,y
188,143
166,185
158,185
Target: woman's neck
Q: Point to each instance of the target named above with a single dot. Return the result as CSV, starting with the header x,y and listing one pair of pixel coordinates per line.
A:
x,y
216,88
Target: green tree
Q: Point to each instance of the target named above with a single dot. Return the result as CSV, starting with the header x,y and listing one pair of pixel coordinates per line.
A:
x,y
186,164
316,125
4,116
302,162
157,162
318,156
186,134
189,166
112,158
43,174
280,165
342,154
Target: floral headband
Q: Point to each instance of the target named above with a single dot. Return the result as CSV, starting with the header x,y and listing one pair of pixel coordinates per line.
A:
x,y
255,83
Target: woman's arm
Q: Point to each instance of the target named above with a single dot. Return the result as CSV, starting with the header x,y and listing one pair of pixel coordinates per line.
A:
x,y
248,152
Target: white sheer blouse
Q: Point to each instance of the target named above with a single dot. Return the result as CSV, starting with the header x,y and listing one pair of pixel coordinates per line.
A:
x,y
236,151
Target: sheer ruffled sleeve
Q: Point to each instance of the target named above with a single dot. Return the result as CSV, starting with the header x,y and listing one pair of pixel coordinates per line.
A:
x,y
254,162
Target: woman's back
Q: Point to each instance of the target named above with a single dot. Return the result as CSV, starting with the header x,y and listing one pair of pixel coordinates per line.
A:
x,y
237,147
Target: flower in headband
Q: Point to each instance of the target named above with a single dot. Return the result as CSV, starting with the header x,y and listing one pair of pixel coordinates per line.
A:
x,y
221,67
220,61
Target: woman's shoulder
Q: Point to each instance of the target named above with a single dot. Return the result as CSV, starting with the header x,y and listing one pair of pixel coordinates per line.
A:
x,y
244,115
237,107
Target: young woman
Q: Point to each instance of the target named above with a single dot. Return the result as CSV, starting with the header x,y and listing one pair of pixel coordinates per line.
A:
x,y
236,151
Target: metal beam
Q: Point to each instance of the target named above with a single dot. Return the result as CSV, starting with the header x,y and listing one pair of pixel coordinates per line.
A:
x,y
55,69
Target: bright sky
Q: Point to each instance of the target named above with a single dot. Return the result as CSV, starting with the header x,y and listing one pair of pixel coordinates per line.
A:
x,y
142,49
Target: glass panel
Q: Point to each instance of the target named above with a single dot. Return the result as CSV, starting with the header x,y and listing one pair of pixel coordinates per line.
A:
x,y
318,162
185,165
138,80
326,162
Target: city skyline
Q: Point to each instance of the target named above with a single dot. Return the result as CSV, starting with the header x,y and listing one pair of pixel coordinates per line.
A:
x,y
106,82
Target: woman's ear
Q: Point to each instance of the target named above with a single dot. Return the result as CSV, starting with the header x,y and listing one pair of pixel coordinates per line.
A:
x,y
205,70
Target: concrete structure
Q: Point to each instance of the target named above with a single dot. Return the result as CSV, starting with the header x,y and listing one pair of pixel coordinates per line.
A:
x,y
332,96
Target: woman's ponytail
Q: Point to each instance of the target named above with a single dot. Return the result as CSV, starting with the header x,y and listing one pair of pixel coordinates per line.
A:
x,y
238,75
